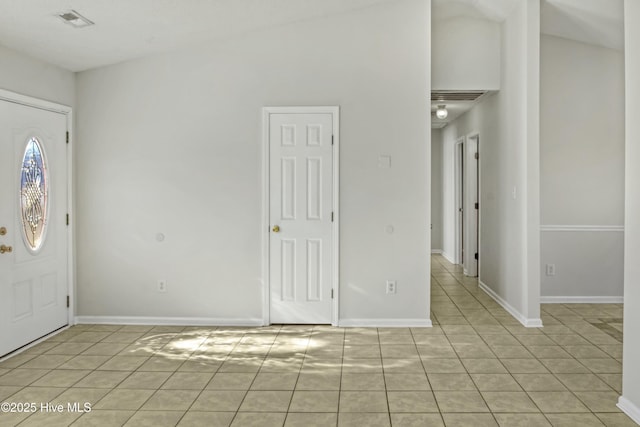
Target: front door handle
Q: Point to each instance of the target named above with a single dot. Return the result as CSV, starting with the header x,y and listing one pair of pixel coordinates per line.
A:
x,y
276,229
4,248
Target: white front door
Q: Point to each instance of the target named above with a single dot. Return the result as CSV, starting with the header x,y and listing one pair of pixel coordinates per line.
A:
x,y
33,234
300,214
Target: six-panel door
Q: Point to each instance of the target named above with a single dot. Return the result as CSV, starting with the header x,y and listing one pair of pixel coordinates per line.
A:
x,y
300,211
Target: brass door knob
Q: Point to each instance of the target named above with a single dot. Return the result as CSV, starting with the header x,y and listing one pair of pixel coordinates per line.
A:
x,y
276,229
3,231
4,248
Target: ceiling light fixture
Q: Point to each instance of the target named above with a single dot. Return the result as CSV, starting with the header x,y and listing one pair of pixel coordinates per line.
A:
x,y
74,19
441,112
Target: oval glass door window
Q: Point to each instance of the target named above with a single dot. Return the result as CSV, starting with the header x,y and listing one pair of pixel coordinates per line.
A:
x,y
34,195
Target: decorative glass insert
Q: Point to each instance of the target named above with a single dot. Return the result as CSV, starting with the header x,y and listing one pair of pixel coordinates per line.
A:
x,y
34,194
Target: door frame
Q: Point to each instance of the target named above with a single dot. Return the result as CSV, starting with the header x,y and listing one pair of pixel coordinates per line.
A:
x,y
41,104
265,223
458,180
472,225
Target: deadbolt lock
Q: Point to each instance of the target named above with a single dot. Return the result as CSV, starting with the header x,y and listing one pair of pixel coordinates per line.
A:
x,y
3,231
4,248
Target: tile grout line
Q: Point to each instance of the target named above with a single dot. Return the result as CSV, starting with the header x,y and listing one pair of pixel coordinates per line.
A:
x,y
237,411
384,380
176,371
433,394
293,391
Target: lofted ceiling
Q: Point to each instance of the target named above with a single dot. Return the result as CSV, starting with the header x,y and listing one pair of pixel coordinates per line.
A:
x,y
595,22
129,29
494,10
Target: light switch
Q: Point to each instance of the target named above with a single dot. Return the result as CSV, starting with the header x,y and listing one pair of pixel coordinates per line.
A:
x,y
384,162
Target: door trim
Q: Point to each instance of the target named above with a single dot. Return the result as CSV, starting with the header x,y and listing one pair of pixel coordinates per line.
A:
x,y
459,215
41,104
473,179
265,223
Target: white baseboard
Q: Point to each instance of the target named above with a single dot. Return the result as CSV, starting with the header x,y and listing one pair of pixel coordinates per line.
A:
x,y
173,321
629,408
436,251
527,323
448,257
532,323
385,323
199,321
581,300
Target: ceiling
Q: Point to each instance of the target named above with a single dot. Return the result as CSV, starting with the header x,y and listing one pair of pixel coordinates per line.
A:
x,y
128,29
595,22
598,22
495,10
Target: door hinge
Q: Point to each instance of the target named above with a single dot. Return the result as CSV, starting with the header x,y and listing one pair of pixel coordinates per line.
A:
x,y
477,205
68,301
331,216
331,139
67,219
477,156
331,293
67,137
476,256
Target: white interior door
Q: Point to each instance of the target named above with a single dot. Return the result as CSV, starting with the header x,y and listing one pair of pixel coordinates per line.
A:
x,y
300,214
33,235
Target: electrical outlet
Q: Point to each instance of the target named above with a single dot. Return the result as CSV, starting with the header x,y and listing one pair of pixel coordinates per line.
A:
x,y
551,269
162,286
391,287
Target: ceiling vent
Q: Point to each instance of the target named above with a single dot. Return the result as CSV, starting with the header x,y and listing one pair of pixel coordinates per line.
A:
x,y
74,19
456,95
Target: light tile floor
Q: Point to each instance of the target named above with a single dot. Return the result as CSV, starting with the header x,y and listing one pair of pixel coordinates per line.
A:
x,y
477,366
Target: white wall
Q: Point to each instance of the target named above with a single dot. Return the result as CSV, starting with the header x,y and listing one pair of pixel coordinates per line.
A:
x,y
582,169
28,76
531,81
630,400
436,190
172,144
507,125
466,54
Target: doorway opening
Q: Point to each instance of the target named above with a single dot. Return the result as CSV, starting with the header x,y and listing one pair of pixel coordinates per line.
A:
x,y
467,203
